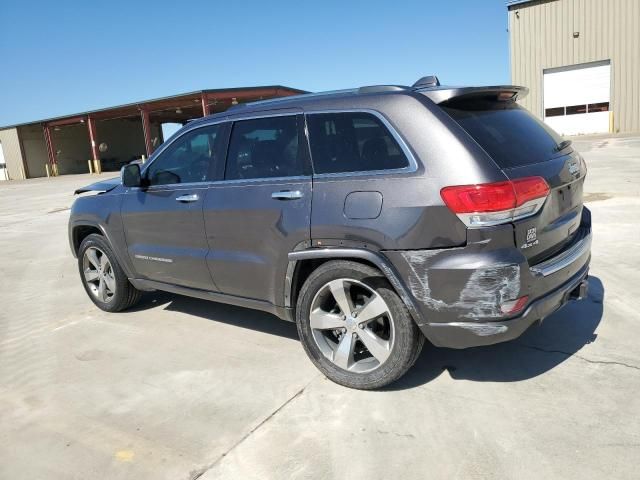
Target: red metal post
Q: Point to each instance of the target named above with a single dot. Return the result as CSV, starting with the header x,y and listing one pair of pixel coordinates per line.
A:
x,y
205,105
51,152
93,138
146,129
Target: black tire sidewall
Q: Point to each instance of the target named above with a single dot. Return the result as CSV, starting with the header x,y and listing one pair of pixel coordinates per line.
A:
x,y
407,341
121,298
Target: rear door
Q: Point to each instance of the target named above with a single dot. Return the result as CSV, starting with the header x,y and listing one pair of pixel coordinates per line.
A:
x,y
522,146
163,223
261,211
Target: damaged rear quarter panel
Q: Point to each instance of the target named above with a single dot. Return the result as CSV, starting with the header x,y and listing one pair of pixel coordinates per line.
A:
x,y
464,283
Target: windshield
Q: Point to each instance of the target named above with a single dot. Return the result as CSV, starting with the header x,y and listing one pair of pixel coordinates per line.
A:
x,y
510,134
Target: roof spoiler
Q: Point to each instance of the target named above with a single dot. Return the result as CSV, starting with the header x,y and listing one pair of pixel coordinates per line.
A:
x,y
499,92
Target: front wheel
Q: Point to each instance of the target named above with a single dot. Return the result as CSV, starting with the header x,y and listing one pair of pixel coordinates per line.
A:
x,y
354,327
102,277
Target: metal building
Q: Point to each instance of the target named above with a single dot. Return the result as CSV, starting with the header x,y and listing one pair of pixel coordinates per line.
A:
x,y
581,62
109,138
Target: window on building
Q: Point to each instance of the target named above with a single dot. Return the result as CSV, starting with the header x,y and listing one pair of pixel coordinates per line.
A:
x,y
264,148
575,109
189,159
554,112
598,107
352,142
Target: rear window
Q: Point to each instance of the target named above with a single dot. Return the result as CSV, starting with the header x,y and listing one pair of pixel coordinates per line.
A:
x,y
352,142
510,134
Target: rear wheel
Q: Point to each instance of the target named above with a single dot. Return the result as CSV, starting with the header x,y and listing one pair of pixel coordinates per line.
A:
x,y
102,277
354,327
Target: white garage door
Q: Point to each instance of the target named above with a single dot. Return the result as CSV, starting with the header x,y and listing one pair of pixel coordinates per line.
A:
x,y
576,98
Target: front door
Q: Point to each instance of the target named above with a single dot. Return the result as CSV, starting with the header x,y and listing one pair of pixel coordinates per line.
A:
x,y
262,209
163,222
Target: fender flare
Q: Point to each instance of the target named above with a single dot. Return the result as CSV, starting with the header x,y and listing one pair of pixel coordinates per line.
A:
x,y
124,264
383,264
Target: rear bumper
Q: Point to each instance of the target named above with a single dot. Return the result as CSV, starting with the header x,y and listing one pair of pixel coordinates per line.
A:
x,y
475,334
459,292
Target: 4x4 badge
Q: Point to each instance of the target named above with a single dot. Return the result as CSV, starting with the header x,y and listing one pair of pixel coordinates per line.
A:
x,y
532,238
574,169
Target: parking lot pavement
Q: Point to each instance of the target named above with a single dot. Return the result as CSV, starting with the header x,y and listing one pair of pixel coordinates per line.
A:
x,y
181,388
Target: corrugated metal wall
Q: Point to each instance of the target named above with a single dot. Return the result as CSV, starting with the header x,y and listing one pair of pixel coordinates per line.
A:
x,y
12,153
541,36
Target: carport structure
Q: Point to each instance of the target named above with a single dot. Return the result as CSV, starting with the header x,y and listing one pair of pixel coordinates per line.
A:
x,y
108,138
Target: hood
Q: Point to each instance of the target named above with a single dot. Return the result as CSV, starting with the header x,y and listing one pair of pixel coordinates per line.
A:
x,y
102,186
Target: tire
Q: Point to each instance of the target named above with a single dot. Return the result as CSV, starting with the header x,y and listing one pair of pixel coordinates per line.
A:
x,y
341,344
102,276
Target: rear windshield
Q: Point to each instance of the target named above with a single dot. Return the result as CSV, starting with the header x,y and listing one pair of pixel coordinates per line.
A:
x,y
508,133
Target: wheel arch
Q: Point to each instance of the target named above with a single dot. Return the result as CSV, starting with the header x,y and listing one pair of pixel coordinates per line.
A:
x,y
81,231
303,262
82,228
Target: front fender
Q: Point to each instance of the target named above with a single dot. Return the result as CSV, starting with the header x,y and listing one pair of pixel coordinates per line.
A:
x,y
102,212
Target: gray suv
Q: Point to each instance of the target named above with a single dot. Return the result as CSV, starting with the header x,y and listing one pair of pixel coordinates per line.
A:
x,y
373,218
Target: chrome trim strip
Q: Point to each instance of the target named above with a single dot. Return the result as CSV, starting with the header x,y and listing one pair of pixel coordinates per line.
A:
x,y
566,258
262,180
240,116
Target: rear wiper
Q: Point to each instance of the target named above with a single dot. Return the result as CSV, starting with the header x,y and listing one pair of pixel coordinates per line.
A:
x,y
562,145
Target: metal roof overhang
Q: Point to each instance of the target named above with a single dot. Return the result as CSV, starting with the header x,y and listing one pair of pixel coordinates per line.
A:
x,y
514,3
184,100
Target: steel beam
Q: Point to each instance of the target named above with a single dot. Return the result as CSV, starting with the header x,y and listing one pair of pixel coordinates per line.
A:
x,y
93,138
48,138
146,129
66,121
205,105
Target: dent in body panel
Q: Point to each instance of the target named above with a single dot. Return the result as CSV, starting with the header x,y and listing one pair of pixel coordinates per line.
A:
x,y
482,294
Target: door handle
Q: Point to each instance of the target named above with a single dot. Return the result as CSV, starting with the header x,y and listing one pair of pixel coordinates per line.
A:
x,y
287,195
192,197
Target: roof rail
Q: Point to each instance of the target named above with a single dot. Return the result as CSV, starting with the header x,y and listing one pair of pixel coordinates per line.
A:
x,y
382,88
277,100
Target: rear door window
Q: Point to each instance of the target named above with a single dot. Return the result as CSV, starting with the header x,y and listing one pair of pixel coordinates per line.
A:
x,y
264,148
352,142
510,134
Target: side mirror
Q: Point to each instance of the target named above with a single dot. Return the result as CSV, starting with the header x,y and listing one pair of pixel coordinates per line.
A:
x,y
130,175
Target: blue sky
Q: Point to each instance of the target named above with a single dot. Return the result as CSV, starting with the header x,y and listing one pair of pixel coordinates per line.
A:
x,y
63,57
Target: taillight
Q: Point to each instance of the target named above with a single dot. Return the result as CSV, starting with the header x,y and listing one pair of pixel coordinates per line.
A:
x,y
514,306
496,203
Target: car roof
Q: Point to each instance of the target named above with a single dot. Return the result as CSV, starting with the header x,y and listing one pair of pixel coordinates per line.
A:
x,y
427,86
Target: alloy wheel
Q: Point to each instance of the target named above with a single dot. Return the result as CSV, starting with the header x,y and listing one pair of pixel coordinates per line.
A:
x,y
98,274
352,325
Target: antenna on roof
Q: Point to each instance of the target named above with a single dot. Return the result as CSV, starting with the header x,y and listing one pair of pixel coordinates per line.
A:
x,y
428,81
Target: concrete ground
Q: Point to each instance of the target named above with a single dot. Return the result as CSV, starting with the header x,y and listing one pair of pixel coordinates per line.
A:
x,y
180,388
